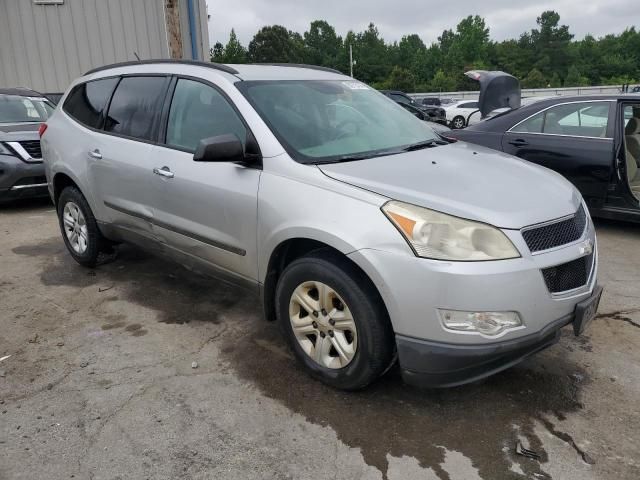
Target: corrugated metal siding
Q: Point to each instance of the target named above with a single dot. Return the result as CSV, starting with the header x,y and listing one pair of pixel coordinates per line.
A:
x,y
45,47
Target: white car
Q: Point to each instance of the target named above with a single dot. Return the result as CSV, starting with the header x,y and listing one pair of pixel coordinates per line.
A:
x,y
458,113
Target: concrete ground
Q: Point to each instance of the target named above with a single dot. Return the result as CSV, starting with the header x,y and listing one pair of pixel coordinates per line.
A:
x,y
99,383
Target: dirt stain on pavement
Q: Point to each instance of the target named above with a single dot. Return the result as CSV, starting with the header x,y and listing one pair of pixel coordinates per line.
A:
x,y
390,417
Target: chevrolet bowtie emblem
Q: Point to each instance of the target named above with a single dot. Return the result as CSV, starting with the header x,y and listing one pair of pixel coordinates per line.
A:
x,y
586,248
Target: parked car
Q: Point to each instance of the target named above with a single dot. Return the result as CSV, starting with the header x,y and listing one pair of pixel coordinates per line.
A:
x,y
21,170
436,114
419,113
426,101
458,113
594,141
370,237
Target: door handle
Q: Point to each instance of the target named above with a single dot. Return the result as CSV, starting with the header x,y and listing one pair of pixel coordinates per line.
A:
x,y
163,172
519,142
95,154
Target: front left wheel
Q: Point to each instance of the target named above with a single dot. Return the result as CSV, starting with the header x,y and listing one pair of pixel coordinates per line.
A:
x,y
79,228
335,321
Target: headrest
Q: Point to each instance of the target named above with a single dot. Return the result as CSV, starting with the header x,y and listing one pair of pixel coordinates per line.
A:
x,y
632,127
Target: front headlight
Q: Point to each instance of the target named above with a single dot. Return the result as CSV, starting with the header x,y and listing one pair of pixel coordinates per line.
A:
x,y
440,236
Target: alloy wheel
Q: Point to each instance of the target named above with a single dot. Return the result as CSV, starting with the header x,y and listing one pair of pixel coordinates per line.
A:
x,y
323,324
75,227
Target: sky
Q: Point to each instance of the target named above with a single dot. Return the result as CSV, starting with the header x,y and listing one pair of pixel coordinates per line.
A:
x,y
427,18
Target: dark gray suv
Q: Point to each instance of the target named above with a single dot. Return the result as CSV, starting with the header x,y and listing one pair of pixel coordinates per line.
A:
x,y
22,111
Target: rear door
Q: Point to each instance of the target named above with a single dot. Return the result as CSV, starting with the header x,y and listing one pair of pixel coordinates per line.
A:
x,y
121,163
574,139
206,210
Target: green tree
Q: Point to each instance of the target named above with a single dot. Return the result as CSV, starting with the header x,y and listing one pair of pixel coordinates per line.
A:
x,y
217,52
551,44
371,54
535,79
400,79
442,83
321,45
275,44
575,79
234,52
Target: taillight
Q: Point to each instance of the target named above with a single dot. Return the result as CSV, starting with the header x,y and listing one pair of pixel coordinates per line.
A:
x,y
42,129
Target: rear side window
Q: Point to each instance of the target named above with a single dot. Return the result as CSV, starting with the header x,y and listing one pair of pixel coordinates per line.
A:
x,y
87,101
135,107
199,111
400,98
584,119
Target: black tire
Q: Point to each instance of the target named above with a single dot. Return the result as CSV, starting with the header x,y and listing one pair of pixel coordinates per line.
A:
x,y
96,243
458,120
375,350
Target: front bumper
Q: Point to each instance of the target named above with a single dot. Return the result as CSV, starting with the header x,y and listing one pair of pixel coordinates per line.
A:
x,y
435,365
19,179
414,289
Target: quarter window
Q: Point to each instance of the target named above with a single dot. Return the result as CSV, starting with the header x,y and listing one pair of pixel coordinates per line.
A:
x,y
135,107
199,111
87,101
583,119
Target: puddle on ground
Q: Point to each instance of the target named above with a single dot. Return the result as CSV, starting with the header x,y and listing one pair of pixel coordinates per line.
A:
x,y
387,418
390,417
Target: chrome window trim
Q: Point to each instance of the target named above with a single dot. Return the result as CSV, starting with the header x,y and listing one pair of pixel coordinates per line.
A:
x,y
510,130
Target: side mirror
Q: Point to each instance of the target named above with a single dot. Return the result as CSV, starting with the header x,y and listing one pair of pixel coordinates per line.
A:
x,y
223,148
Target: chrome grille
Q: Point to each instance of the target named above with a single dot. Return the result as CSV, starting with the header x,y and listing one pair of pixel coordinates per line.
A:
x,y
556,234
32,147
568,276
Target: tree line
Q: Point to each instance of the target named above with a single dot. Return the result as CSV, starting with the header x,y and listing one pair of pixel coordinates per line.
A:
x,y
546,56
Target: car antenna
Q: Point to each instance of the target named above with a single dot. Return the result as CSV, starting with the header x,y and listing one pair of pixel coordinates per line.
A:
x,y
137,56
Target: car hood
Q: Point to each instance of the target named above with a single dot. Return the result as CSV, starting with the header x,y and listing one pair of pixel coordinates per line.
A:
x,y
467,181
19,131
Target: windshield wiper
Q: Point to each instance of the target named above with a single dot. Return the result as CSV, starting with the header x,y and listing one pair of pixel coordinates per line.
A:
x,y
427,144
355,157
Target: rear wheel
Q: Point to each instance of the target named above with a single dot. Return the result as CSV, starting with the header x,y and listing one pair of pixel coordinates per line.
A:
x,y
79,228
334,321
458,122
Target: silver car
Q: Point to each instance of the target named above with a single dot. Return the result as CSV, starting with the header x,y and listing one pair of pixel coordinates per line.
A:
x,y
370,238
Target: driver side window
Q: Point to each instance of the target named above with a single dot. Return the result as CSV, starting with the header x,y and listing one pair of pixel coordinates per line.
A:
x,y
199,111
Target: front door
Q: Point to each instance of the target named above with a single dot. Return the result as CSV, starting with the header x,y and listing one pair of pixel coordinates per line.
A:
x,y
574,139
207,210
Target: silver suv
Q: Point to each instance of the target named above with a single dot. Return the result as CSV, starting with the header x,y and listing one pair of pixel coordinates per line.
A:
x,y
370,237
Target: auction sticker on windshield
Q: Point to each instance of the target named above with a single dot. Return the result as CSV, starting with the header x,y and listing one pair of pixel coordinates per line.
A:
x,y
355,85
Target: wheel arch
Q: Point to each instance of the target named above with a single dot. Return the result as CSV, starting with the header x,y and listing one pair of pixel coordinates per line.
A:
x,y
292,249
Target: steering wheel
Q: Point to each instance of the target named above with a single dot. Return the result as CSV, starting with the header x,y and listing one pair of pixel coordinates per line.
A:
x,y
343,124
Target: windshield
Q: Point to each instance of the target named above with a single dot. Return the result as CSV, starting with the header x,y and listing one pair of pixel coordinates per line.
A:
x,y
337,120
19,109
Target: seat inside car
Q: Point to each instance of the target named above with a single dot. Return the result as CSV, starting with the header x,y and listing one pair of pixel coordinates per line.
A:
x,y
632,150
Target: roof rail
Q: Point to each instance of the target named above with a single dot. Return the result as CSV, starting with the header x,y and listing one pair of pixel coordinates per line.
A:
x,y
216,66
300,65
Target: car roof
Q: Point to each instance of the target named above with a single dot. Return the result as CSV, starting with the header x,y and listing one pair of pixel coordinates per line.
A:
x,y
20,91
270,71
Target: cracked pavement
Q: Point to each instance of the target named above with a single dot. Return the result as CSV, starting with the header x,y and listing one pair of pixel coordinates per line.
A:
x,y
99,383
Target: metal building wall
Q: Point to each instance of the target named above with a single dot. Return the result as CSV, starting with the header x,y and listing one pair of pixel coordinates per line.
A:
x,y
45,47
